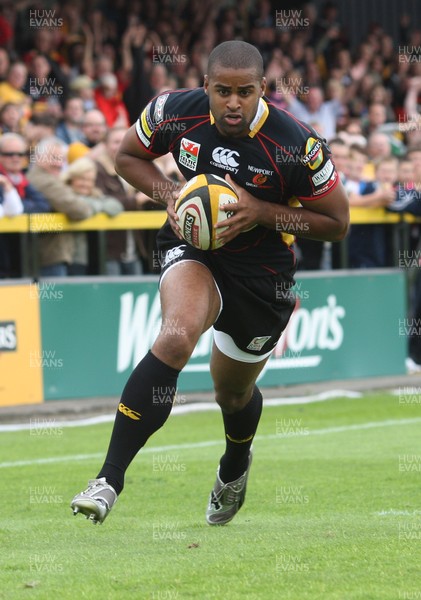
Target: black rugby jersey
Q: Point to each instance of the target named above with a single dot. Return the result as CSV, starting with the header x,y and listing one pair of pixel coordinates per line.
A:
x,y
281,160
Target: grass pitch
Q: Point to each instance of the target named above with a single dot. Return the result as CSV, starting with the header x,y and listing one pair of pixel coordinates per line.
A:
x,y
333,510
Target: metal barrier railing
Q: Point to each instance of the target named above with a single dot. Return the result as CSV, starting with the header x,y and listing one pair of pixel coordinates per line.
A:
x,y
29,226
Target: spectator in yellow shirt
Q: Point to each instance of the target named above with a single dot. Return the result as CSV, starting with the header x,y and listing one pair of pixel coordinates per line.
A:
x,y
11,89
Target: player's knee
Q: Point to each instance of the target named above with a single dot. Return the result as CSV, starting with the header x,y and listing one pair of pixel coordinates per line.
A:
x,y
232,401
175,348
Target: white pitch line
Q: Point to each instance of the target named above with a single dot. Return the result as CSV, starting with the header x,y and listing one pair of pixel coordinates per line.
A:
x,y
43,425
405,391
396,512
195,445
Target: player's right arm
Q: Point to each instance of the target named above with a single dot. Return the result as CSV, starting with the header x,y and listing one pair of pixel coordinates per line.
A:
x,y
135,164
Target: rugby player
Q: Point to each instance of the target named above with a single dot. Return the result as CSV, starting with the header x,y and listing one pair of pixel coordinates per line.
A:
x,y
286,181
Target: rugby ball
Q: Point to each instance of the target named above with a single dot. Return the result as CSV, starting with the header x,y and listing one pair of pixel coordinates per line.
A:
x,y
198,210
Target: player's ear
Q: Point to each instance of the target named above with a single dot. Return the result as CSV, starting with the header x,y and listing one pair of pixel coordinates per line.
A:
x,y
263,86
206,84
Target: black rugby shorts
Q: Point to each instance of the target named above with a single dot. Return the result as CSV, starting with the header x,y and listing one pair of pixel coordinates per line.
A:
x,y
254,310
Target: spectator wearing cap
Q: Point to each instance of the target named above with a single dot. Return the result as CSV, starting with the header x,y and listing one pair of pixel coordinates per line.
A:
x,y
109,102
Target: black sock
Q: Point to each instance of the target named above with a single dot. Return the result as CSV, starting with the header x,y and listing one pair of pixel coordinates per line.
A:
x,y
145,405
240,428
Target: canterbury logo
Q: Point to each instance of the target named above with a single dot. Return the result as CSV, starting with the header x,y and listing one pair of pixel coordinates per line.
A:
x,y
247,439
128,412
225,157
173,254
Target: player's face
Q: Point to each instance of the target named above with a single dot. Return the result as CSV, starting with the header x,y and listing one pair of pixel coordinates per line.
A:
x,y
233,98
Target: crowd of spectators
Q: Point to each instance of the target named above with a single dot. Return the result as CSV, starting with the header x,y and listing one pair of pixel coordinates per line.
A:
x,y
74,76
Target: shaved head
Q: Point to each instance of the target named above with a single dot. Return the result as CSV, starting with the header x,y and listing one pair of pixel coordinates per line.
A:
x,y
236,54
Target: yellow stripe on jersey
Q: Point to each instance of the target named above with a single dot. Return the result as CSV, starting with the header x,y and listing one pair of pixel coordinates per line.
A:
x,y
293,201
261,116
287,238
145,125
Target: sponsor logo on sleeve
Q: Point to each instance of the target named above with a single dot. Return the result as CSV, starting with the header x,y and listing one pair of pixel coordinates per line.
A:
x,y
189,154
158,114
141,135
313,157
328,185
324,174
148,115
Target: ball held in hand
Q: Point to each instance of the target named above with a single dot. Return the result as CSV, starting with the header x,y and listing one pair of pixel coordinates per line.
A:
x,y
198,209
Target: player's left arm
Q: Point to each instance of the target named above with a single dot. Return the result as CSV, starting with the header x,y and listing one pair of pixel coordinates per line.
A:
x,y
324,219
